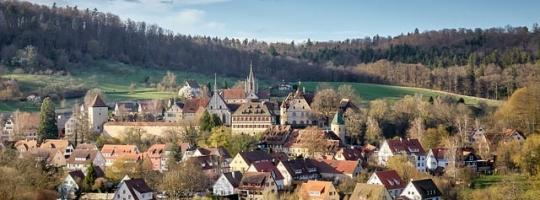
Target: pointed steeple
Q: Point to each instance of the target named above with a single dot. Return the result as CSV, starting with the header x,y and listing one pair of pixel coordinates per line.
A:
x,y
251,85
215,83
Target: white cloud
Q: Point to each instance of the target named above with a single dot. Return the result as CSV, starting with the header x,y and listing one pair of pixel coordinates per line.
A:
x,y
190,17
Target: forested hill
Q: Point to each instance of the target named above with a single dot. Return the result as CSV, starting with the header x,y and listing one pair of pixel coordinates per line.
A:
x,y
488,63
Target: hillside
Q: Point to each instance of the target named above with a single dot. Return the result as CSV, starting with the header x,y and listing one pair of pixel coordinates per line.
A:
x,y
489,63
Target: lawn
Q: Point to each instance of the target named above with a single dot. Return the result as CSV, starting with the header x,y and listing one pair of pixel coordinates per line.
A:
x,y
114,80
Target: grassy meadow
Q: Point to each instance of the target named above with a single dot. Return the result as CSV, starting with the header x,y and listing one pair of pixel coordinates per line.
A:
x,y
114,79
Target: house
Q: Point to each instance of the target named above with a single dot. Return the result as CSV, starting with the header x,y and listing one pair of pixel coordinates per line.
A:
x,y
86,146
220,152
98,114
364,191
125,110
211,165
133,189
158,157
408,147
194,107
113,152
337,169
390,180
268,166
251,118
436,158
243,160
24,125
346,104
318,190
254,184
296,111
175,113
227,183
422,189
69,128
249,92
72,183
274,138
25,145
295,145
62,145
351,153
190,89
298,170
513,135
150,110
80,159
52,157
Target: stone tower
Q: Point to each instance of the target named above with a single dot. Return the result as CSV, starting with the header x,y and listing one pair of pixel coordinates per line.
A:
x,y
338,126
98,114
251,88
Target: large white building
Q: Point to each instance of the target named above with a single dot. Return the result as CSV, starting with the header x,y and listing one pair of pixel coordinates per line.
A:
x,y
296,111
407,147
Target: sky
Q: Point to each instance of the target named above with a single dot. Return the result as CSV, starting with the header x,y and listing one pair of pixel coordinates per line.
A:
x,y
320,20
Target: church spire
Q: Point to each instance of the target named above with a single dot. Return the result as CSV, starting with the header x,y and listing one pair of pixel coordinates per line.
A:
x,y
215,83
251,85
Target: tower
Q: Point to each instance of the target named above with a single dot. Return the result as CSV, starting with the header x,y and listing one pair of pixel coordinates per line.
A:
x,y
98,114
251,86
338,126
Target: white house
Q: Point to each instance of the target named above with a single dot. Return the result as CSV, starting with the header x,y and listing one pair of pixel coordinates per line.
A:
x,y
390,180
422,190
175,112
71,185
227,183
80,159
133,189
297,170
408,147
436,157
268,166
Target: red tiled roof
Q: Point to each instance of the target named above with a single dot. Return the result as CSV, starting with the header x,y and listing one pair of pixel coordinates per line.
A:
x,y
390,179
234,93
268,166
439,153
193,105
406,145
336,166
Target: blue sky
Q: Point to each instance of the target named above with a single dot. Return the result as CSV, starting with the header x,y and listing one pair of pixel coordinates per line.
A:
x,y
287,20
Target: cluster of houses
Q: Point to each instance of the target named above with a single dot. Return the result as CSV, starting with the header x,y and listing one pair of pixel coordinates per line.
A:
x,y
281,162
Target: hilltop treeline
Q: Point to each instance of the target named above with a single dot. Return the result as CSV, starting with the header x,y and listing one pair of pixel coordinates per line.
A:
x,y
481,62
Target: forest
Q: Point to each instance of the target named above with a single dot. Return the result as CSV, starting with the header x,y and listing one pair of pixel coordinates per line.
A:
x,y
489,63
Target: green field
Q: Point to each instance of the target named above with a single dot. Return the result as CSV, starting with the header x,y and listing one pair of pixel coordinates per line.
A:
x,y
114,80
369,92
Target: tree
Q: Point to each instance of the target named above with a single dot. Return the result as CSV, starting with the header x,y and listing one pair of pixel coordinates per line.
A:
x,y
378,109
354,121
219,137
326,101
47,121
404,167
206,123
433,137
168,83
314,141
347,92
373,131
528,158
184,180
120,167
89,178
507,156
241,143
191,135
132,88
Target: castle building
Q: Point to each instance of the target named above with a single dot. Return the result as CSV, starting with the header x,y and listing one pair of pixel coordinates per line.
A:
x,y
98,114
295,110
251,118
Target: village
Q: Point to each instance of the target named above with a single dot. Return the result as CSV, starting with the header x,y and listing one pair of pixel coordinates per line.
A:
x,y
298,151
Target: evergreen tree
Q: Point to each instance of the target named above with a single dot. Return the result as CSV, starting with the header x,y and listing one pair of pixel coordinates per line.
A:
x,y
206,122
89,178
47,121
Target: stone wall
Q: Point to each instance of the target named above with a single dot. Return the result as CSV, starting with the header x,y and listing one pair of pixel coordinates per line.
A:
x,y
118,129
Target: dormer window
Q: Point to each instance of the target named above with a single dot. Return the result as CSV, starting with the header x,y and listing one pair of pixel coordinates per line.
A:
x,y
297,171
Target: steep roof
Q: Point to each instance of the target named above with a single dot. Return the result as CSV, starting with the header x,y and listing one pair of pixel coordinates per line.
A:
x,y
254,156
336,166
234,93
408,146
390,179
426,188
98,102
439,153
233,177
76,174
300,167
268,166
87,146
351,153
193,105
192,84
254,180
252,108
138,184
277,134
82,156
55,144
323,188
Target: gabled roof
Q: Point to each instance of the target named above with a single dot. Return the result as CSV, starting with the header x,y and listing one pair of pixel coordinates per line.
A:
x,y
234,93
26,144
126,107
87,146
82,156
408,146
137,184
156,150
369,192
390,179
252,108
351,153
55,144
426,188
322,188
193,105
77,174
255,156
277,134
336,166
439,153
268,166
219,151
119,149
98,102
254,180
150,106
300,167
234,178
206,162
